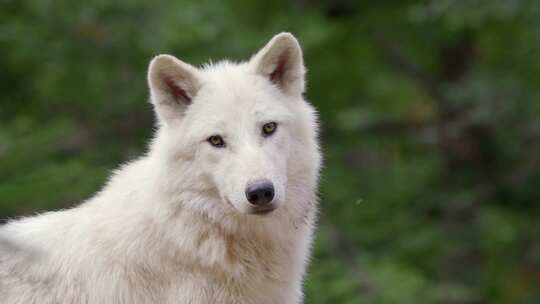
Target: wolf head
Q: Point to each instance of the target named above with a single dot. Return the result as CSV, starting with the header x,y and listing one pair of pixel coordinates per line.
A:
x,y
241,131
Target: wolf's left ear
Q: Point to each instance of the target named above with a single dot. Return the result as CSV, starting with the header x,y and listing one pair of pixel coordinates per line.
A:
x,y
173,84
281,62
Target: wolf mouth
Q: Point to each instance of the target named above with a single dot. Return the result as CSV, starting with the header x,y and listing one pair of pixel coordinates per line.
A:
x,y
255,209
263,210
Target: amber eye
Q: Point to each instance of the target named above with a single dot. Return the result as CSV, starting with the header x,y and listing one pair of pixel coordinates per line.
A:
x,y
216,141
269,128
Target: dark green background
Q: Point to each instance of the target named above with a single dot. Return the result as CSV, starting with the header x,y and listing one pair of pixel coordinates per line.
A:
x,y
429,113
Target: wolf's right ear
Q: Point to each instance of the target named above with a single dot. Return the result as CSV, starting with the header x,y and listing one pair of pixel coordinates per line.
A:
x,y
173,84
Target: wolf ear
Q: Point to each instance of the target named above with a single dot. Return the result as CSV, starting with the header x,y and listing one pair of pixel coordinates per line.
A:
x,y
173,85
280,61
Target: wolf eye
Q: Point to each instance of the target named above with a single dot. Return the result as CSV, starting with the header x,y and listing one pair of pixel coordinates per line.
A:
x,y
216,141
269,128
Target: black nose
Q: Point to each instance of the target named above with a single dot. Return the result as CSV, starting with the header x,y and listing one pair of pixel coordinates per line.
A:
x,y
260,193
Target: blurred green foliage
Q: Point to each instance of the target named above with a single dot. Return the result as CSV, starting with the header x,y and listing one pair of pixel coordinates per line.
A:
x,y
429,112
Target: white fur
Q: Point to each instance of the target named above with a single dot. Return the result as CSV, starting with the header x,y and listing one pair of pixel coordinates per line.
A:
x,y
173,226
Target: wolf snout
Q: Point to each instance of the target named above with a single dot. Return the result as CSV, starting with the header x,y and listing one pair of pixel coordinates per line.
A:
x,y
260,194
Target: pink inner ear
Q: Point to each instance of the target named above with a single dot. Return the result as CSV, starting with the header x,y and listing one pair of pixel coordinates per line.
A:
x,y
177,92
277,75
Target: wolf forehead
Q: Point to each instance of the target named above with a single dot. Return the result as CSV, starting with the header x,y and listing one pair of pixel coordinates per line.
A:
x,y
231,93
238,83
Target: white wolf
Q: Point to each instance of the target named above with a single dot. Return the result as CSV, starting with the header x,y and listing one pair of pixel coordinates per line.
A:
x,y
220,210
